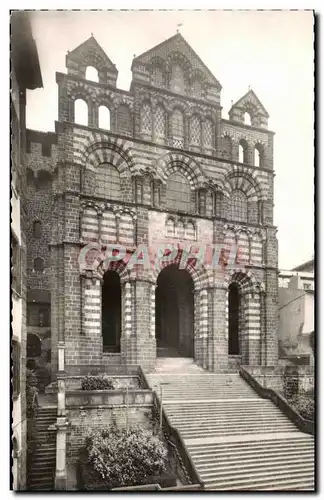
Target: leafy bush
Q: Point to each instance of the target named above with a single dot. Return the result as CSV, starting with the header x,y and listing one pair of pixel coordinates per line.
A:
x,y
304,405
96,383
121,459
31,392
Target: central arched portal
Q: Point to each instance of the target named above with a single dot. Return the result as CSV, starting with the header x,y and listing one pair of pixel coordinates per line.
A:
x,y
174,303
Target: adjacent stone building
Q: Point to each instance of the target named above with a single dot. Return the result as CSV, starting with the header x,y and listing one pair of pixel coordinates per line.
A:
x,y
163,168
25,74
296,314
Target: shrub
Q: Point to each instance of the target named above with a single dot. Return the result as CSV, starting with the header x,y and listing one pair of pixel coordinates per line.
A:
x,y
31,392
304,405
121,459
96,383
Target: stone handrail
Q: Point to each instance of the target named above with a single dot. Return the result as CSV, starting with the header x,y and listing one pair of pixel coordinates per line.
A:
x,y
303,425
157,487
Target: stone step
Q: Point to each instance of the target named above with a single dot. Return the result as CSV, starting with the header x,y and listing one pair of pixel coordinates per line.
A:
x,y
267,481
252,448
229,460
255,443
223,432
247,468
193,423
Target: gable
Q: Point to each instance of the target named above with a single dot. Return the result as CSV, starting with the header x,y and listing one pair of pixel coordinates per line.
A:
x,y
251,101
91,53
177,44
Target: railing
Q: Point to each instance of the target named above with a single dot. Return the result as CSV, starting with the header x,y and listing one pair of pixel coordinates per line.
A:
x,y
157,487
302,424
174,438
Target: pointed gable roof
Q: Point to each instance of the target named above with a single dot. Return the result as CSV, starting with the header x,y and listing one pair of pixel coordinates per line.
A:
x,y
91,47
251,99
178,43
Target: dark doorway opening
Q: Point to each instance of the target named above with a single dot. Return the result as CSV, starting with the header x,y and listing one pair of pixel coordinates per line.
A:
x,y
233,319
174,312
111,312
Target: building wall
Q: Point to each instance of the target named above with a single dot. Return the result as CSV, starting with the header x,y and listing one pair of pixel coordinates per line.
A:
x,y
146,153
18,323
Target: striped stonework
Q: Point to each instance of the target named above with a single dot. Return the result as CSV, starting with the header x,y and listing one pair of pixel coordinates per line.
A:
x,y
128,309
91,308
89,225
126,229
256,255
108,228
252,316
203,319
243,247
152,311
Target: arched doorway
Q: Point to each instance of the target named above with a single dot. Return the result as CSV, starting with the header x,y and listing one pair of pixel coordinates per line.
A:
x,y
174,316
111,312
233,320
34,346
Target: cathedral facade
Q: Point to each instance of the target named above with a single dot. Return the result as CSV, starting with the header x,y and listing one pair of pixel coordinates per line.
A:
x,y
153,167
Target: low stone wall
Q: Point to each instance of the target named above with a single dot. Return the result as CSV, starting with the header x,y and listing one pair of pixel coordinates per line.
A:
x,y
108,369
120,382
108,398
273,377
86,410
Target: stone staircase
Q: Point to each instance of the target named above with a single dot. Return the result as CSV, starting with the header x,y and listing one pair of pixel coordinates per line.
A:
x,y
236,439
42,469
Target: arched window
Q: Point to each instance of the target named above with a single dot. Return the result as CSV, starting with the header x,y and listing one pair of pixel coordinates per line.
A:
x,y
92,74
157,77
37,229
108,182
195,133
81,112
111,312
177,80
233,319
258,156
159,123
243,151
170,232
238,206
104,117
178,128
39,264
247,119
146,119
178,193
34,346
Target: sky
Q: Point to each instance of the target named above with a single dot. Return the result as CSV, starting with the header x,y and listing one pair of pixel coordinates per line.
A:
x,y
271,51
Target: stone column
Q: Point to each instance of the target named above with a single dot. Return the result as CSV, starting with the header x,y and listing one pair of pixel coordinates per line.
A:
x,y
91,305
203,322
253,328
263,329
61,423
60,471
186,131
220,328
128,336
152,316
